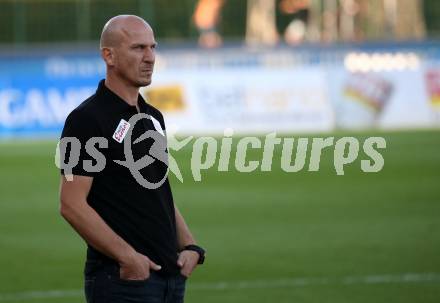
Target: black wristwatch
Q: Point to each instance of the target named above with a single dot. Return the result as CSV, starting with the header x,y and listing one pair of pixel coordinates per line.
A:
x,y
198,250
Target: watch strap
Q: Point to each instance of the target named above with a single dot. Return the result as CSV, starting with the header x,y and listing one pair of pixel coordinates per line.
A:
x,y
198,250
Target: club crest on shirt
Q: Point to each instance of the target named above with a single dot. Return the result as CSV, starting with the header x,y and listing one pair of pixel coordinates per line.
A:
x,y
121,130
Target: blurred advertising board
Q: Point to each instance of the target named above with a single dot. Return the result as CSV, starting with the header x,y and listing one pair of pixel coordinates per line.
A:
x,y
432,78
248,91
246,100
37,94
386,100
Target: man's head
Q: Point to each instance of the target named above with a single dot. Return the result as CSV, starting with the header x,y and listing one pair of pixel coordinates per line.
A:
x,y
128,49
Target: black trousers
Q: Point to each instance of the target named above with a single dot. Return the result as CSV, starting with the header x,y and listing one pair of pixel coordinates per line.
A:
x,y
104,285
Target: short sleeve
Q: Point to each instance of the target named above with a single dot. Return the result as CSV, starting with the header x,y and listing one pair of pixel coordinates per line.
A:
x,y
79,129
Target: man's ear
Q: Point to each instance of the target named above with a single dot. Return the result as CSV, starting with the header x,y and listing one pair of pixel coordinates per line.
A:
x,y
108,55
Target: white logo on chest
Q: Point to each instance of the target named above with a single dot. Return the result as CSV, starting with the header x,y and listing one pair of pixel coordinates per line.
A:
x,y
121,130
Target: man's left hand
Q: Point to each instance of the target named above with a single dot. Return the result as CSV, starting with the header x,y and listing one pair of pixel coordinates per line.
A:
x,y
187,262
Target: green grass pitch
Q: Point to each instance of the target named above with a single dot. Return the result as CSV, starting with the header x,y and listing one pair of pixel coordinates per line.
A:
x,y
271,236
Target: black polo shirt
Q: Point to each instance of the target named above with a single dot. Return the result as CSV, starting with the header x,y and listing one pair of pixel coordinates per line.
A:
x,y
143,217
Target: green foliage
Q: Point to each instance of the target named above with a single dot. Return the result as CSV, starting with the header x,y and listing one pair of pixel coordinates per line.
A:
x,y
28,21
81,20
432,17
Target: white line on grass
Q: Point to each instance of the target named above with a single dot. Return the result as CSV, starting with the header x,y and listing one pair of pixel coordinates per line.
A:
x,y
278,283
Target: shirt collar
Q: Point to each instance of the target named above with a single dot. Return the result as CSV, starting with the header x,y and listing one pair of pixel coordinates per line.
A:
x,y
108,96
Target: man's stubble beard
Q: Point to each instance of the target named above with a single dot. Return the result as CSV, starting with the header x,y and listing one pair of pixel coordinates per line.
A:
x,y
144,83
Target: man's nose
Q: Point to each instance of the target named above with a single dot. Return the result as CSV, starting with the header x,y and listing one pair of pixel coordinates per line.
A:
x,y
149,55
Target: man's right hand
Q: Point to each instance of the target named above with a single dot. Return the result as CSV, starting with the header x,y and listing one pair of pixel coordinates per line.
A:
x,y
137,267
87,222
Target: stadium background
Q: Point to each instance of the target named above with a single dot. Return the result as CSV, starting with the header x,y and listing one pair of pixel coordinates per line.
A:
x,y
351,68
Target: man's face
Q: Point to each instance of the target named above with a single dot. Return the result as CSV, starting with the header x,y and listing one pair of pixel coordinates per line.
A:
x,y
135,55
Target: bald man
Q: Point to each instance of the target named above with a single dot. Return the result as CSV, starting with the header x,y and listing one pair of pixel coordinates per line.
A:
x,y
139,246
